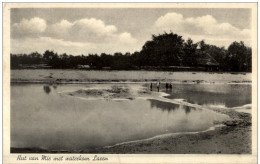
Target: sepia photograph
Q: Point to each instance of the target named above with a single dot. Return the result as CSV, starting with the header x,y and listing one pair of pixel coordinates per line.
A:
x,y
130,79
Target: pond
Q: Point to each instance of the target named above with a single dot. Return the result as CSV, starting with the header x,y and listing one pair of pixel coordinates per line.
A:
x,y
43,116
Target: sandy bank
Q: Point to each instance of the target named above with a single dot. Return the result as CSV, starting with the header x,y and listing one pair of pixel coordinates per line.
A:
x,y
81,76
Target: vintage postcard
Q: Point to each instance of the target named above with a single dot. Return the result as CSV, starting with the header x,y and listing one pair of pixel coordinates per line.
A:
x,y
130,83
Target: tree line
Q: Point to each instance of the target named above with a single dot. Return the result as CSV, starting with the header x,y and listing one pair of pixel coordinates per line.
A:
x,y
163,50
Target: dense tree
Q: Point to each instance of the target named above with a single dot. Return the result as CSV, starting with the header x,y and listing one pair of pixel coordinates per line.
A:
x,y
162,50
22,59
240,56
189,49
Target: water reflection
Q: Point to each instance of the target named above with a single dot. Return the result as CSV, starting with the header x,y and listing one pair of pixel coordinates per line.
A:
x,y
188,109
208,94
47,89
52,121
54,86
166,106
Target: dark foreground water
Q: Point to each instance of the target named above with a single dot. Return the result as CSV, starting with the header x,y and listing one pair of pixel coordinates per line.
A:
x,y
42,117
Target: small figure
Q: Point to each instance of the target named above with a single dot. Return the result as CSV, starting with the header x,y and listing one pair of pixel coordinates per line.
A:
x,y
151,86
158,86
170,86
166,85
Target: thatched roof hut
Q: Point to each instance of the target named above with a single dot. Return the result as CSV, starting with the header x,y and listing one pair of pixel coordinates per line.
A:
x,y
204,59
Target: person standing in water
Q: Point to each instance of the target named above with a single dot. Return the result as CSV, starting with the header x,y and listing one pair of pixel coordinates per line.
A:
x,y
158,86
170,86
151,86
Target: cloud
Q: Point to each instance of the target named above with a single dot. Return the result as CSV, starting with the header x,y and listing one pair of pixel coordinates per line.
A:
x,y
91,30
29,27
91,35
83,36
95,26
41,44
59,29
87,30
126,38
204,27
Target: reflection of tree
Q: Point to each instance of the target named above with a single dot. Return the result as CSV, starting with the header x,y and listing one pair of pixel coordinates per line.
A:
x,y
54,86
188,108
170,106
163,105
47,89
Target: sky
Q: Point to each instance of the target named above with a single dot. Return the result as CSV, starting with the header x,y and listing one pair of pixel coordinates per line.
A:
x,y
79,31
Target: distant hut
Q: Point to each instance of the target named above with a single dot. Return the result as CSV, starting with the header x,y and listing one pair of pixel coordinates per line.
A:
x,y
83,66
207,61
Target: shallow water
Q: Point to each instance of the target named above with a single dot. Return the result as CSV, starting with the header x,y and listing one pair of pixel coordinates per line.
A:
x,y
222,95
43,117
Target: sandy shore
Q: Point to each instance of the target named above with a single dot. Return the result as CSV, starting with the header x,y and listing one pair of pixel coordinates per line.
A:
x,y
232,138
81,76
